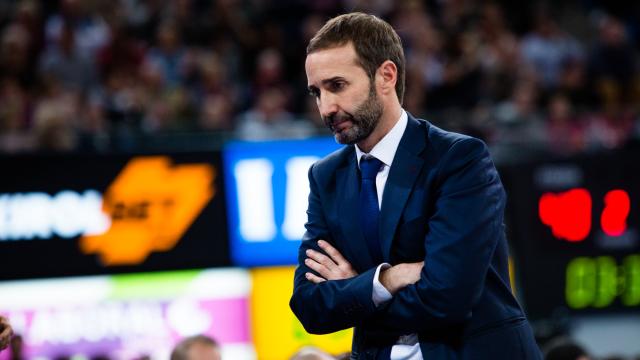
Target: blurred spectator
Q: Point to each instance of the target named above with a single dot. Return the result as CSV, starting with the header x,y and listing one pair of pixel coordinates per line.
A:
x,y
90,30
565,131
132,69
613,65
214,94
55,119
169,56
17,348
499,57
269,119
564,349
15,117
216,114
518,121
547,48
573,83
199,347
425,60
609,129
65,65
161,108
311,353
121,53
141,17
14,55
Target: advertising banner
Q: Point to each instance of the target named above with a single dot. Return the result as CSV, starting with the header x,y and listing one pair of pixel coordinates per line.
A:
x,y
129,316
85,215
267,192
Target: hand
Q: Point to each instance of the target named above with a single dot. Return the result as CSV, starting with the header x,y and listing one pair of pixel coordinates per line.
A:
x,y
5,332
332,267
400,276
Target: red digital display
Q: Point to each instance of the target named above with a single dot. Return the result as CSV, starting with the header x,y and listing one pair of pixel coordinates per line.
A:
x,y
615,213
568,214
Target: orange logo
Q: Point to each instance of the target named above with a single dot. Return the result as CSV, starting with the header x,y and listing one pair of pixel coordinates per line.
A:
x,y
151,204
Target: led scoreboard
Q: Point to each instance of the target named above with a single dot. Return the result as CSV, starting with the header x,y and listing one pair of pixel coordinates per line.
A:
x,y
573,225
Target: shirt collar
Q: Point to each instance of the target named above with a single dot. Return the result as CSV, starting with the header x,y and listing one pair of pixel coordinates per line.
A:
x,y
385,149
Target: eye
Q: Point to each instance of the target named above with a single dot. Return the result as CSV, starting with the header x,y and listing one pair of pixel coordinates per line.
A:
x,y
335,86
314,92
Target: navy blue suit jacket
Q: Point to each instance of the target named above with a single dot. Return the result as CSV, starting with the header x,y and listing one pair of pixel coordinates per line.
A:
x,y
443,203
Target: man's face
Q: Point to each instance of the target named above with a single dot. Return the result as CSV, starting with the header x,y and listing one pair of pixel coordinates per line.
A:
x,y
345,95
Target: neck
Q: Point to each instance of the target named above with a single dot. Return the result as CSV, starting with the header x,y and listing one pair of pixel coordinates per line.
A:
x,y
388,120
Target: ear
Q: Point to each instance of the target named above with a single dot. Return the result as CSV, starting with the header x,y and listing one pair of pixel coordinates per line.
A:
x,y
386,77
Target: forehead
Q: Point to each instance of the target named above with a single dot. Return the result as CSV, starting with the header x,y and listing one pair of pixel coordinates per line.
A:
x,y
328,63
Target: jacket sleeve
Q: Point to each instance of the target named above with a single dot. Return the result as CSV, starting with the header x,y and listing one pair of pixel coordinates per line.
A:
x,y
331,305
463,231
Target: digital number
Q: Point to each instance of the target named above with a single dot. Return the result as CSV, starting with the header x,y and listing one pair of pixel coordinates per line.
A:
x,y
580,288
631,297
597,282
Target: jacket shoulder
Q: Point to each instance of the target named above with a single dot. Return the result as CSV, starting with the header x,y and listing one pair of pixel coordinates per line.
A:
x,y
331,162
443,140
440,141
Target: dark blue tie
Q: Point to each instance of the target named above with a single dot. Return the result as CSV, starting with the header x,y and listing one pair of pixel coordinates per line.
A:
x,y
369,210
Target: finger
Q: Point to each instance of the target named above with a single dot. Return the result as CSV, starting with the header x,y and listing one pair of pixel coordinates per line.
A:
x,y
332,252
314,278
321,258
319,268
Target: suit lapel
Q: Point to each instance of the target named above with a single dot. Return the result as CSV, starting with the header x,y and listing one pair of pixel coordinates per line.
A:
x,y
403,173
348,188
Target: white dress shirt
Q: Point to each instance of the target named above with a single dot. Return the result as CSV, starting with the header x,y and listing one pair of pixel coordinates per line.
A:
x,y
407,347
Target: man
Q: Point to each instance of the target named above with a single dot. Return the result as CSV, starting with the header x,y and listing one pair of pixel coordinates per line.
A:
x,y
405,238
199,347
5,332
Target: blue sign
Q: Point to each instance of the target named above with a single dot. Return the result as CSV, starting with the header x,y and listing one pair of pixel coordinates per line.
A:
x,y
267,192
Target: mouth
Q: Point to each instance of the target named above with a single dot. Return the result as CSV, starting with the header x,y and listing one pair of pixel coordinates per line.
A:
x,y
340,124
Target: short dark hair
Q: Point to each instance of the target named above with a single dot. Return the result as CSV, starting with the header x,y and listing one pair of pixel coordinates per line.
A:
x,y
374,40
563,348
181,350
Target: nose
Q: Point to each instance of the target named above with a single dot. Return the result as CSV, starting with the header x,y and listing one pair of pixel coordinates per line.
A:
x,y
327,104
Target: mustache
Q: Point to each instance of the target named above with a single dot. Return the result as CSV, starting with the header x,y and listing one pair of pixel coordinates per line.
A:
x,y
336,118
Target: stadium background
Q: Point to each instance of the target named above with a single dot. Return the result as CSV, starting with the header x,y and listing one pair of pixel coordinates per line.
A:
x,y
154,158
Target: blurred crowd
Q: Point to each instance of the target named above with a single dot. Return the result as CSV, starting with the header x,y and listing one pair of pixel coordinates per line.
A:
x,y
103,75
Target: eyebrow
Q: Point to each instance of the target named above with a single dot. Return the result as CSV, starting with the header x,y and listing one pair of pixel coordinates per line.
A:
x,y
326,81
333,79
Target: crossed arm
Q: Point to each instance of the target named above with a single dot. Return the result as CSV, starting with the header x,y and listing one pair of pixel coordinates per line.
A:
x,y
334,266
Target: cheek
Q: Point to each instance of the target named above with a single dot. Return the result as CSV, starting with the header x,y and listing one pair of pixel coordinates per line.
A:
x,y
354,100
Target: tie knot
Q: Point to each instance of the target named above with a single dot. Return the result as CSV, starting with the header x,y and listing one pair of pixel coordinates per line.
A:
x,y
369,167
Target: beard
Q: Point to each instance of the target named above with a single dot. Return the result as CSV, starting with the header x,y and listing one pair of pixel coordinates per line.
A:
x,y
364,120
